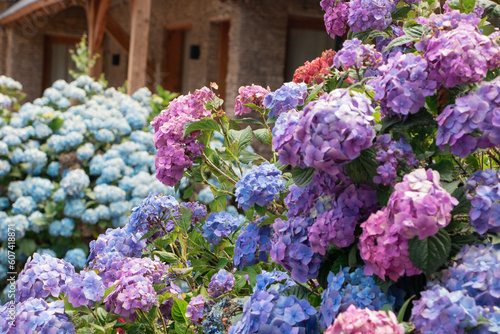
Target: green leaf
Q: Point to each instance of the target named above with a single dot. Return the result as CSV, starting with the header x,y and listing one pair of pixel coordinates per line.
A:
x,y
402,311
445,169
56,124
495,238
138,328
249,214
415,30
206,123
246,157
149,234
450,187
184,221
261,210
387,308
108,291
167,257
363,168
243,137
302,177
400,12
399,41
298,291
179,310
27,246
188,192
422,118
430,253
240,282
250,121
463,205
460,240
102,315
314,92
263,135
218,204
469,5
384,285
42,221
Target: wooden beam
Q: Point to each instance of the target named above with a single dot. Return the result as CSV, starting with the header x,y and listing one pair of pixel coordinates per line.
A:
x,y
96,22
138,54
122,38
26,10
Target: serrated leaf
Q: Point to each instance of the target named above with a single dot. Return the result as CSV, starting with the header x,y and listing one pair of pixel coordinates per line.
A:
x,y
302,177
363,168
450,187
149,234
206,123
415,30
179,310
250,121
246,157
184,221
405,39
298,291
167,257
263,136
240,283
243,137
218,204
400,12
430,253
422,118
102,315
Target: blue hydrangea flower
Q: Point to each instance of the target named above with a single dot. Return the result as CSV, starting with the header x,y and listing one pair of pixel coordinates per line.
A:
x,y
76,257
218,226
24,206
74,182
260,186
19,222
345,289
4,168
85,152
39,188
288,97
59,195
253,244
74,207
105,135
4,203
4,149
53,169
109,194
90,216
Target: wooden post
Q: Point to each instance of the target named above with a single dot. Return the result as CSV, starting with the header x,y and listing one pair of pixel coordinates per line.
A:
x,y
96,22
138,54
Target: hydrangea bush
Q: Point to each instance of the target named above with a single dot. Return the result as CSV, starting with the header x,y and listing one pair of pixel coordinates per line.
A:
x,y
376,211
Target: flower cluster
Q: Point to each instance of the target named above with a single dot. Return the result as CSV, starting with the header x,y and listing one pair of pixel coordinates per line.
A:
x,y
392,155
267,311
418,207
219,225
260,186
287,97
35,315
355,289
461,123
461,56
220,283
85,288
482,190
316,70
356,54
43,276
253,244
194,310
328,132
291,248
336,13
403,84
253,94
357,320
370,14
176,152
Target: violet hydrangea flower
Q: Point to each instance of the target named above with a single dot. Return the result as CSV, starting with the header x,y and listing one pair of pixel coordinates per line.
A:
x,y
43,276
356,320
219,225
354,53
336,13
220,283
194,310
370,14
287,97
253,244
176,152
260,186
85,288
249,94
483,191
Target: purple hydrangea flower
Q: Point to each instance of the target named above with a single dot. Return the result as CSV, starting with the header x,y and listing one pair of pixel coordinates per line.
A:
x,y
441,311
35,315
194,310
43,276
260,186
249,94
330,132
354,53
288,97
403,85
220,283
345,289
291,248
85,288
253,244
483,191
176,152
336,13
370,14
219,225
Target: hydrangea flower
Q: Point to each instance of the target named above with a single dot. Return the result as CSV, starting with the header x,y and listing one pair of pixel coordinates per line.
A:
x,y
439,310
461,56
43,276
354,53
370,14
356,320
316,70
336,14
260,186
350,289
24,205
403,84
267,311
330,132
76,257
287,97
218,226
176,152
249,94
75,181
291,248
85,288
253,244
194,310
35,315
220,283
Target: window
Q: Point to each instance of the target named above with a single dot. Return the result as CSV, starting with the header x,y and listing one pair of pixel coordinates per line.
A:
x,y
57,59
307,39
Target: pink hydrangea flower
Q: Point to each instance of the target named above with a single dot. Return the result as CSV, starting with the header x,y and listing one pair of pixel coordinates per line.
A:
x,y
249,94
